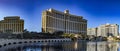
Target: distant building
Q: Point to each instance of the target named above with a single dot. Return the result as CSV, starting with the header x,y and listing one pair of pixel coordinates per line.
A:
x,y
12,24
92,31
53,20
108,30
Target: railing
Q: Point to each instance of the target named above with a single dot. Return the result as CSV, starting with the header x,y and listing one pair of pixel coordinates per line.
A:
x,y
5,42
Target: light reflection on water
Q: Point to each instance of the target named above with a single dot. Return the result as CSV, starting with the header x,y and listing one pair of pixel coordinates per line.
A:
x,y
65,46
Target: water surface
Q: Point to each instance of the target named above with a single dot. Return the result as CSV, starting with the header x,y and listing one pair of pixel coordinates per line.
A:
x,y
65,46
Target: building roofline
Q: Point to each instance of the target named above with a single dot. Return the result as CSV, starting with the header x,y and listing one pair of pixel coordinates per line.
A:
x,y
51,9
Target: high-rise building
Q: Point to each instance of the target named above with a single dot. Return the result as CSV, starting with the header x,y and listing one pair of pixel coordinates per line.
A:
x,y
92,31
12,24
108,30
54,20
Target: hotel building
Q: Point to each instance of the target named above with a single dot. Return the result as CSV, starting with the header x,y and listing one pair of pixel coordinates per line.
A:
x,y
108,30
92,31
54,20
12,24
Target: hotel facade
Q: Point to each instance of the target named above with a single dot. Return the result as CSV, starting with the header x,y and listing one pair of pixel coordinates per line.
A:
x,y
54,20
92,31
12,24
108,30
104,30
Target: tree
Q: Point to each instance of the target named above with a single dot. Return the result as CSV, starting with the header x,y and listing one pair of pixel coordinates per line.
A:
x,y
25,31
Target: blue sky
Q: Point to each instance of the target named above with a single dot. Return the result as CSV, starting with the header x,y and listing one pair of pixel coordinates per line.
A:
x,y
97,12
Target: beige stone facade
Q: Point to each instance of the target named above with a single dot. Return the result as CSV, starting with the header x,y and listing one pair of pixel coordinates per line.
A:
x,y
92,31
12,24
108,30
54,20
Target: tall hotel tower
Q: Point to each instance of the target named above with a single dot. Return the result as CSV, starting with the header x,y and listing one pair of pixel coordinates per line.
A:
x,y
54,20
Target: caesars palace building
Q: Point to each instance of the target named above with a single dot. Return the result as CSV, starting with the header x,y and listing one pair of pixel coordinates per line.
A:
x,y
12,24
54,20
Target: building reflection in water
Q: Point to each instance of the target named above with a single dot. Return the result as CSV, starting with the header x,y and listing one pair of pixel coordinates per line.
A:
x,y
113,46
76,45
65,46
102,46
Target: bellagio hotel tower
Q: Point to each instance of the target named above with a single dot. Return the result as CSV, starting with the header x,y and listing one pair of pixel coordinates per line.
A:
x,y
54,20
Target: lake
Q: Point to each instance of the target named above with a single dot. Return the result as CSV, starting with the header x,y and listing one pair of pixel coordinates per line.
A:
x,y
65,46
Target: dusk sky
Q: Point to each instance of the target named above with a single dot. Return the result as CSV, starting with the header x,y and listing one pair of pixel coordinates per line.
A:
x,y
97,12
